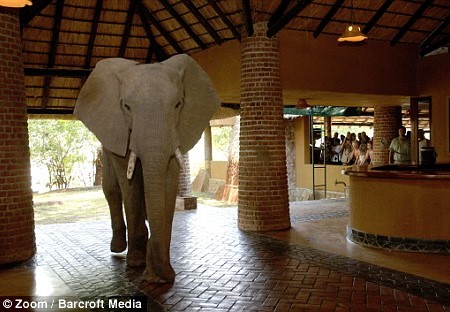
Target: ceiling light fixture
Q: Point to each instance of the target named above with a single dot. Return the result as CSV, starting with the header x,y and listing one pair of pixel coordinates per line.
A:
x,y
15,3
352,33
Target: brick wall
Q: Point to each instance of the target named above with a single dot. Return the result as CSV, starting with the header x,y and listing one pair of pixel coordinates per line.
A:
x,y
387,120
17,241
263,202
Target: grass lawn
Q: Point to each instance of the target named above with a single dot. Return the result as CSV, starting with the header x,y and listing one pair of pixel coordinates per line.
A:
x,y
86,204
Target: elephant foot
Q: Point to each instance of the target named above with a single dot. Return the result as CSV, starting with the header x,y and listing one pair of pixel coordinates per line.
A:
x,y
136,258
118,243
154,278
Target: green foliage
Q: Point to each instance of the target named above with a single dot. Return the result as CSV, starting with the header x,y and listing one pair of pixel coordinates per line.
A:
x,y
221,138
59,145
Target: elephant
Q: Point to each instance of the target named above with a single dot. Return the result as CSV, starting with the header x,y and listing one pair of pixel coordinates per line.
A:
x,y
146,116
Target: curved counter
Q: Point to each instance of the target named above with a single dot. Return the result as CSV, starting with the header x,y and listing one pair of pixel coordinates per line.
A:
x,y
400,207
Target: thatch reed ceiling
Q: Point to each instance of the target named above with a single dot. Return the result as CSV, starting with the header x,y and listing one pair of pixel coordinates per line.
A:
x,y
63,39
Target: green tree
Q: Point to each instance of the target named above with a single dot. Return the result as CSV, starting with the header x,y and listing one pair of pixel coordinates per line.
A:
x,y
221,138
59,145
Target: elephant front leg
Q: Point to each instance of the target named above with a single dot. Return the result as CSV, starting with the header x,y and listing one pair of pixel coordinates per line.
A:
x,y
160,215
135,211
113,196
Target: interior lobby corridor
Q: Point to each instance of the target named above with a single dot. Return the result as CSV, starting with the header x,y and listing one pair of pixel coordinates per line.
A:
x,y
311,267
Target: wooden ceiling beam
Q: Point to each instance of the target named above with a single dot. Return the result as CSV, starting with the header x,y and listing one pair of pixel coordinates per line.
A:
x,y
282,7
127,28
57,72
434,46
211,31
410,22
49,111
154,47
248,20
377,16
55,33
225,19
436,32
324,22
183,24
146,14
93,35
286,18
27,13
52,52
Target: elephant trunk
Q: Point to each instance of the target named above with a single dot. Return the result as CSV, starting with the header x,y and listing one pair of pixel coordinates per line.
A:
x,y
160,188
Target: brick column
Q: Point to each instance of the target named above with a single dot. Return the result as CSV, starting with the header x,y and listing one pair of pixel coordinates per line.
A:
x,y
263,202
17,240
184,182
387,120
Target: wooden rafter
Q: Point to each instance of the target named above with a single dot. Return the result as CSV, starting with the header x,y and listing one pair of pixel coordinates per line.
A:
x,y
324,22
225,19
183,24
248,20
411,22
434,46
55,33
437,31
148,15
93,35
285,19
377,16
282,7
57,72
211,31
127,28
154,47
52,52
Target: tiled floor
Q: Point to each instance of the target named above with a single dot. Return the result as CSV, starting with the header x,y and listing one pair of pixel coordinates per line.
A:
x,y
219,268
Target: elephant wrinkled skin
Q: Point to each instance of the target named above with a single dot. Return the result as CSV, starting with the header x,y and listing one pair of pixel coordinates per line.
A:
x,y
145,116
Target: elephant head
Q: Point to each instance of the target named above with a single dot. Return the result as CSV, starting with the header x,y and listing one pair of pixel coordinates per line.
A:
x,y
156,111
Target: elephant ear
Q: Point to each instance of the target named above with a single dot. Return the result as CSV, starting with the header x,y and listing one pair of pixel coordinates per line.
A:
x,y
200,100
98,104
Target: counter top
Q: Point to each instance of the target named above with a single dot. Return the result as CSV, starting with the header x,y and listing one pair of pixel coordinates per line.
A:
x,y
437,171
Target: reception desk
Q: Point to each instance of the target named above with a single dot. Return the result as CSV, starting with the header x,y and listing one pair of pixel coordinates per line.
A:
x,y
400,207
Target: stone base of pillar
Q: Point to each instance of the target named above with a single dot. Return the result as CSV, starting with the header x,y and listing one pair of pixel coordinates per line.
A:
x,y
186,203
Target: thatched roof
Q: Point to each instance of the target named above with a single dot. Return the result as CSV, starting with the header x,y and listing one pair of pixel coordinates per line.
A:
x,y
63,39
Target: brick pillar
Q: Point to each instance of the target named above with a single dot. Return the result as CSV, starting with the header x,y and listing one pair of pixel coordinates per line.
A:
x,y
263,202
17,240
184,183
387,120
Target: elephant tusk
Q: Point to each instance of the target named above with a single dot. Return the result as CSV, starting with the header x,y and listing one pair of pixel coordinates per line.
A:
x,y
131,165
180,159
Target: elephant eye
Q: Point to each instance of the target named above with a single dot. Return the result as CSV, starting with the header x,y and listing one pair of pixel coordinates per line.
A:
x,y
178,105
127,107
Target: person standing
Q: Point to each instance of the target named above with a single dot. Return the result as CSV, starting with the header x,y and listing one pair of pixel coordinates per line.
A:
x,y
400,148
423,142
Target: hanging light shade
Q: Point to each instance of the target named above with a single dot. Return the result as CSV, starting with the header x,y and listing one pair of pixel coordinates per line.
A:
x,y
15,3
352,34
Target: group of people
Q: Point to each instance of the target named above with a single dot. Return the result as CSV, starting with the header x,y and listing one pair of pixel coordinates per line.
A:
x,y
355,149
351,149
400,147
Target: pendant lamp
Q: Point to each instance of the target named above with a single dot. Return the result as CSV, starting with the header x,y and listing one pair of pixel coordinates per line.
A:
x,y
15,3
352,33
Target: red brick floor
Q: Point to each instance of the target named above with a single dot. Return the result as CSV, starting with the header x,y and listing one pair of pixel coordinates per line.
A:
x,y
220,268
